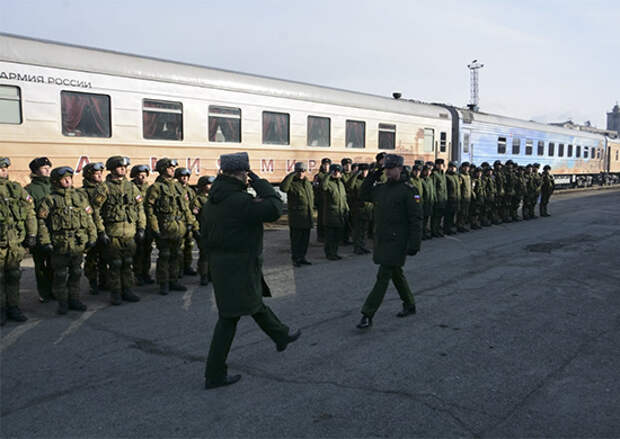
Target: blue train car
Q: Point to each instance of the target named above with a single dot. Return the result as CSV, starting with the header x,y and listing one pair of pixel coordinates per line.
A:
x,y
577,158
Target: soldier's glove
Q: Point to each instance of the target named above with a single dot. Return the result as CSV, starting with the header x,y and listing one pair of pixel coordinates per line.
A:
x,y
139,235
30,241
412,252
103,238
89,245
253,177
197,235
47,249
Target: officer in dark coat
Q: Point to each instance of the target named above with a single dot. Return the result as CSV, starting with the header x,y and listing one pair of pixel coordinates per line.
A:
x,y
336,211
546,189
318,196
441,198
300,200
232,232
398,233
39,188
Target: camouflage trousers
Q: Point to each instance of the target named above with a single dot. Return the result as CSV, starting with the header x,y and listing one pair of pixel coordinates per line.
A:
x,y
95,268
462,218
142,258
10,274
169,259
188,246
515,202
67,270
119,257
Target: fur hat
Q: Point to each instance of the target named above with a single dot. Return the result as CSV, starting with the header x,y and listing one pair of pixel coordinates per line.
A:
x,y
238,161
300,166
393,161
38,162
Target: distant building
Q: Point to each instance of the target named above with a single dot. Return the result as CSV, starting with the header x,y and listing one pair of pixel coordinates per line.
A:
x,y
613,119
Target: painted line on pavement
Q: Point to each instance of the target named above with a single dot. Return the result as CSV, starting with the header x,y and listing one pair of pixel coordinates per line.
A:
x,y
74,326
12,336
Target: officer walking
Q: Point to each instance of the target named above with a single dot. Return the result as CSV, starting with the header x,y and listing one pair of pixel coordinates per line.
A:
x,y
182,175
398,223
300,199
232,226
66,229
39,188
336,211
167,214
361,210
142,259
18,229
123,217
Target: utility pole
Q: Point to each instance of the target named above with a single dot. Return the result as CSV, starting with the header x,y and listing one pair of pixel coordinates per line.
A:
x,y
473,86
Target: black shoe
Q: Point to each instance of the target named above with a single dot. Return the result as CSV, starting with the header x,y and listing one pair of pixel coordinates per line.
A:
x,y
226,381
359,251
15,314
63,308
129,296
204,280
440,234
94,288
366,251
305,262
296,264
76,305
189,271
333,258
407,311
347,242
148,280
289,339
115,298
365,323
175,286
139,281
462,230
164,289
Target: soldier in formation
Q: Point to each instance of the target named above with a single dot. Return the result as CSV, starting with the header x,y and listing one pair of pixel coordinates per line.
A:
x,y
336,210
182,176
203,186
547,187
318,197
361,210
142,259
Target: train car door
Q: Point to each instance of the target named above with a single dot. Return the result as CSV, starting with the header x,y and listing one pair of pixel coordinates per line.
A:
x,y
466,147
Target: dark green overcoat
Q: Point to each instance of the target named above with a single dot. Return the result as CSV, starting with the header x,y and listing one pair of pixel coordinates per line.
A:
x,y
441,190
398,219
39,188
336,207
359,208
428,197
232,234
300,201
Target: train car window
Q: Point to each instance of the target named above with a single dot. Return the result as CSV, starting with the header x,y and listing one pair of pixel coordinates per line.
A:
x,y
162,120
616,155
465,143
541,147
516,145
85,114
10,104
429,140
551,151
578,151
387,136
319,131
355,136
561,150
569,151
224,124
442,141
276,128
529,146
598,153
585,152
501,145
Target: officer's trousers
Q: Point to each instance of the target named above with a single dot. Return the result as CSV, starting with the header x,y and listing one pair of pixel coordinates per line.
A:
x,y
67,272
360,228
544,202
333,236
224,334
320,228
43,272
514,207
10,274
95,268
450,211
142,258
299,243
119,257
170,254
375,298
188,246
463,215
427,226
438,214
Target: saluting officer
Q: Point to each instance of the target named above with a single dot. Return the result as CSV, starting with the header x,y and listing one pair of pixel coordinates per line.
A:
x,y
39,188
300,199
123,217
66,230
95,268
398,224
142,259
336,211
182,176
18,229
347,174
167,214
232,226
361,210
547,188
202,195
318,196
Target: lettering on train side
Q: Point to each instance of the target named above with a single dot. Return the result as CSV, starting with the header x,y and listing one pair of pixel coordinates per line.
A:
x,y
311,165
266,165
39,79
82,161
194,165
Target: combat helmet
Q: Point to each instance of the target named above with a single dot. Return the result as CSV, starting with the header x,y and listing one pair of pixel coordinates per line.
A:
x,y
135,170
165,163
60,172
116,161
182,172
90,168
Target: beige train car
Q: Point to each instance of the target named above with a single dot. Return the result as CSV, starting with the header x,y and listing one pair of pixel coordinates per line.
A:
x,y
78,105
613,157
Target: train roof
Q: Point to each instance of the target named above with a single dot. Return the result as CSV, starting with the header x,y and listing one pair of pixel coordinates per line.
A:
x,y
32,51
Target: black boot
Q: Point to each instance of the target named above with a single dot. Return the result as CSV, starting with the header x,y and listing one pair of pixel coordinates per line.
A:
x,y
176,286
290,338
139,280
204,280
407,311
226,381
115,298
189,271
365,322
63,307
94,288
148,280
76,305
15,314
129,296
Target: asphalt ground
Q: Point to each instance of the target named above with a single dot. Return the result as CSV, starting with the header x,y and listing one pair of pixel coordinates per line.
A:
x,y
517,335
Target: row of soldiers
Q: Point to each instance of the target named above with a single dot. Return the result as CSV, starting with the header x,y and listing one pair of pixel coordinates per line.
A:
x,y
113,221
458,199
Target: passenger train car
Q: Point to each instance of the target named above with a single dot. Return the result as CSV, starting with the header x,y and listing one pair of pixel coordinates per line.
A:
x,y
77,105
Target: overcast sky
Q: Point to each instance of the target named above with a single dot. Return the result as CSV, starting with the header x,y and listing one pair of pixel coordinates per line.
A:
x,y
544,60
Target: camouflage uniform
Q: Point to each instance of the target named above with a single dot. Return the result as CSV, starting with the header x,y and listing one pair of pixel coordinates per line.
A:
x,y
142,258
466,194
200,200
192,225
547,188
477,200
